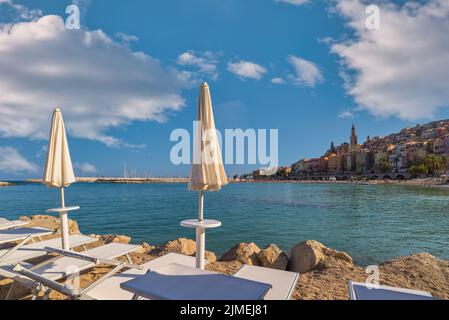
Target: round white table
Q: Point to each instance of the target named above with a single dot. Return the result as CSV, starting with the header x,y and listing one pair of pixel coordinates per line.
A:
x,y
65,209
64,223
200,226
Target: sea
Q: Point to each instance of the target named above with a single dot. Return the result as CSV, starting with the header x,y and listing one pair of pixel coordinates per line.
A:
x,y
372,223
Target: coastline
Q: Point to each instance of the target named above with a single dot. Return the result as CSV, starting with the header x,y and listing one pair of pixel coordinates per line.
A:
x,y
324,272
425,182
122,180
5,184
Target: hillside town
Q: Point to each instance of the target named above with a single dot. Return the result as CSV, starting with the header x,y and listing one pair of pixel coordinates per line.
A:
x,y
419,151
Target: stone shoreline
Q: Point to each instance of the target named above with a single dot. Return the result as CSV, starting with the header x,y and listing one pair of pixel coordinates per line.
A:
x,y
5,184
324,272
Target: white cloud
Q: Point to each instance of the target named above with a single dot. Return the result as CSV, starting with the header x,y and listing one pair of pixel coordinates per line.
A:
x,y
98,83
247,69
306,72
294,2
346,114
278,80
11,161
401,69
126,38
17,12
205,64
85,168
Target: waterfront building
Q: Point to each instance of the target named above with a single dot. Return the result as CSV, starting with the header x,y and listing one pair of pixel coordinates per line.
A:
x,y
382,157
318,165
301,167
264,172
364,161
335,163
398,158
441,145
351,162
416,151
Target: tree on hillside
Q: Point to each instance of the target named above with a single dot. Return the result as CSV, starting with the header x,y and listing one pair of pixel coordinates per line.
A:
x,y
384,166
417,169
431,164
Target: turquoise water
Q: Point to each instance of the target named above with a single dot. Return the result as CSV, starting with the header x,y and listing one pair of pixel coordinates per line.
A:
x,y
371,222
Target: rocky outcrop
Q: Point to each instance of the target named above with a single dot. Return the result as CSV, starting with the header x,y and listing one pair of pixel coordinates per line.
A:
x,y
5,184
182,246
244,252
305,256
49,222
273,257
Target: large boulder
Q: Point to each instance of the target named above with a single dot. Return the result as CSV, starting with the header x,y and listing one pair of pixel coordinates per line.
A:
x,y
305,256
273,257
183,246
243,252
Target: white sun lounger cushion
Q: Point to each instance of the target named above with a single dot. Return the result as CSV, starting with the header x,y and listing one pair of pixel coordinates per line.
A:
x,y
282,282
18,234
361,291
35,250
110,288
66,266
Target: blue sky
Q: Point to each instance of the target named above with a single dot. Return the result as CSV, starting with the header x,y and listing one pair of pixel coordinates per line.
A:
x,y
270,64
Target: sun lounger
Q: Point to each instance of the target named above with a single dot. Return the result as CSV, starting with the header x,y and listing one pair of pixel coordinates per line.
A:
x,y
179,282
110,288
36,250
107,287
44,276
65,266
282,282
8,224
363,291
19,234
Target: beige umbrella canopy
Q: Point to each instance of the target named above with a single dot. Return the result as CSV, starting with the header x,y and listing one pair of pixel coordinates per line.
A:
x,y
58,168
207,172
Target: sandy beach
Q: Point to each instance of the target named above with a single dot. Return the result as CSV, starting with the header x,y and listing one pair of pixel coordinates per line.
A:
x,y
324,274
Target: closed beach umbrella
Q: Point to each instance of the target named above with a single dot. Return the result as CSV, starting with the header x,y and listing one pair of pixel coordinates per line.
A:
x,y
58,168
207,170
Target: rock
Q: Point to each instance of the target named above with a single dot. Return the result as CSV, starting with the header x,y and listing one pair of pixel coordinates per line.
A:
x,y
305,256
273,257
337,254
109,238
121,239
50,222
243,252
144,248
210,256
182,246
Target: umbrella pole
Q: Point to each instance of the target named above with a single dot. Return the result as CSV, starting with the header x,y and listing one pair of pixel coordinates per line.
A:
x,y
200,235
64,224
